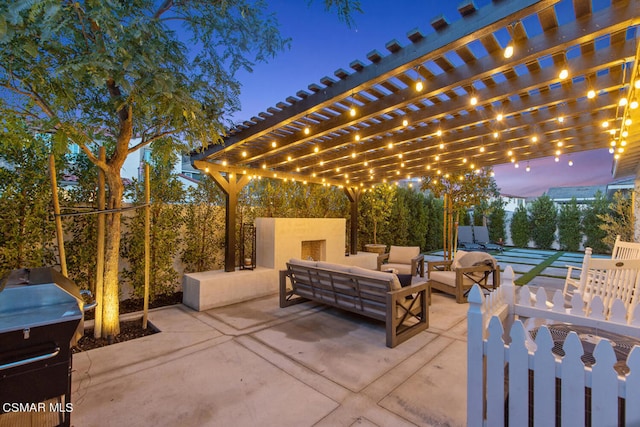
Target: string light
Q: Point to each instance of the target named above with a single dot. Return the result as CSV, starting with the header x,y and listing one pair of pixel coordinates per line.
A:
x,y
274,144
623,101
528,168
474,100
591,94
499,117
634,104
438,132
244,154
561,119
570,162
508,51
564,73
405,122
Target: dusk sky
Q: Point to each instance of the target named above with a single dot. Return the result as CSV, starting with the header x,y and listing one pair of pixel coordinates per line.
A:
x,y
322,44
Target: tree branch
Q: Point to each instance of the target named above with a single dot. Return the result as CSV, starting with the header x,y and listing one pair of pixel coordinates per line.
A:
x,y
164,7
150,140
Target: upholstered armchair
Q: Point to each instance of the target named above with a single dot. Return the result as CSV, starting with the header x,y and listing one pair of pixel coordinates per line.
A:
x,y
405,259
457,276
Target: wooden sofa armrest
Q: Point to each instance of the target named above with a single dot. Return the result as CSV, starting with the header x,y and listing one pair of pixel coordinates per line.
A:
x,y
439,265
381,259
414,313
286,295
480,269
417,265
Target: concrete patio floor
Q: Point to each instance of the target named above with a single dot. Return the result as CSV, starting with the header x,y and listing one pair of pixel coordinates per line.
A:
x,y
254,363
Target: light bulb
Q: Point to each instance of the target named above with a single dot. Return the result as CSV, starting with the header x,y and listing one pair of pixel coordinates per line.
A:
x,y
623,101
438,132
557,159
564,73
244,154
509,153
617,156
605,124
534,138
224,163
611,150
464,160
634,104
482,149
591,94
316,149
405,122
390,145
560,144
561,119
474,100
528,168
517,165
570,162
495,135
499,117
307,130
357,137
636,84
353,155
352,112
441,146
288,158
419,86
508,51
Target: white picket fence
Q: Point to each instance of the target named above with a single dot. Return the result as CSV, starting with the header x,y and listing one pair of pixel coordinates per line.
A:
x,y
533,371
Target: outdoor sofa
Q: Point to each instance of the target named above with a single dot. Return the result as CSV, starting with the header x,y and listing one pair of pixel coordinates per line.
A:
x,y
370,293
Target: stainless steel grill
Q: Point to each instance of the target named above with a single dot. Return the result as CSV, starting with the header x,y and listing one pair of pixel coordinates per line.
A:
x,y
41,314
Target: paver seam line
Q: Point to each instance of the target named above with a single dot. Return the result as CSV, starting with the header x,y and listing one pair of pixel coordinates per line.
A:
x,y
452,341
250,343
265,325
147,364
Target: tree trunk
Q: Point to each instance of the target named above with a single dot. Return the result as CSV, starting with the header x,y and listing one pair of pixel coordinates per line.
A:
x,y
111,298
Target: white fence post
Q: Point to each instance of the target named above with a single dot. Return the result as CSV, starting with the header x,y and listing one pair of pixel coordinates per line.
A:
x,y
475,358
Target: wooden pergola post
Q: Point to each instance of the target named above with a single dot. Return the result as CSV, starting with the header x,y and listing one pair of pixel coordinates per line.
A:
x,y
353,193
230,184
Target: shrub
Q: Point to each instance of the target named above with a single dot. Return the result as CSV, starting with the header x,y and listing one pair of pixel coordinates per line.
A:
x,y
569,226
542,217
520,229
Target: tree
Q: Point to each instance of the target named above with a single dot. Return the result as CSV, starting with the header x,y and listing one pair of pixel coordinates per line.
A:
x,y
120,75
497,219
542,217
618,220
520,228
460,192
375,210
591,222
569,226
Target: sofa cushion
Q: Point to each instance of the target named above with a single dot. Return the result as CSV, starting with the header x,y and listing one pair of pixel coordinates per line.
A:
x,y
403,254
402,268
449,278
335,267
380,275
302,262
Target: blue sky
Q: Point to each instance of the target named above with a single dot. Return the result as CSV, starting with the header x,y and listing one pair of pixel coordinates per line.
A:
x,y
322,44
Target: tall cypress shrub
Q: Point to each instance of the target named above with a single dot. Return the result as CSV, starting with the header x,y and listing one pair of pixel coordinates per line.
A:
x,y
543,218
520,228
497,220
591,222
569,226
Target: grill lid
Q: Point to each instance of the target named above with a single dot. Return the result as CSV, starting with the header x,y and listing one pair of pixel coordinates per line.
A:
x,y
34,297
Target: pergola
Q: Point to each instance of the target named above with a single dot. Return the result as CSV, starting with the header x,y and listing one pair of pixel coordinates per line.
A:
x,y
484,90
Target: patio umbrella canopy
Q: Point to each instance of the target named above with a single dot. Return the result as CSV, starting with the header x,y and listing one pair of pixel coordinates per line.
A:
x,y
484,90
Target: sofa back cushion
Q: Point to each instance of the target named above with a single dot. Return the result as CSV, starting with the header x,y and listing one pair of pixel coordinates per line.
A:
x,y
403,254
394,283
